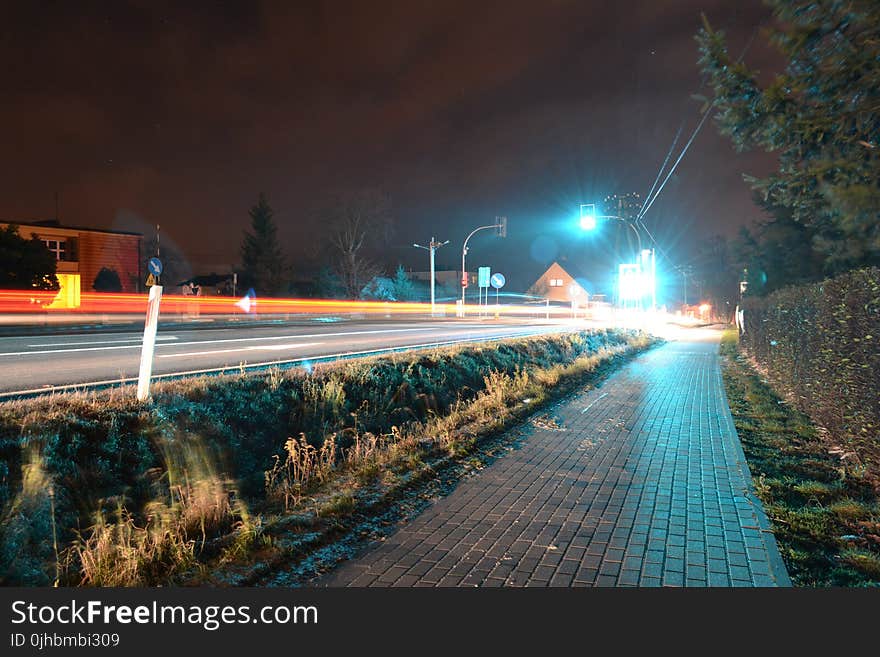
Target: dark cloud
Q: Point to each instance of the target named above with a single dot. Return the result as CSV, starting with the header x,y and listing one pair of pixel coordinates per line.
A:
x,y
180,113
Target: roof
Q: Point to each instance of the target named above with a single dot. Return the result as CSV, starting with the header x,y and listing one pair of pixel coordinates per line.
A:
x,y
54,223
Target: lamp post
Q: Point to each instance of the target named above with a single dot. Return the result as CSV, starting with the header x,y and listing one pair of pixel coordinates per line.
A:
x,y
588,222
432,246
500,225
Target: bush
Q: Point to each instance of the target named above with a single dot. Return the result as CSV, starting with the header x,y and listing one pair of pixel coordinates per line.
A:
x,y
107,280
820,344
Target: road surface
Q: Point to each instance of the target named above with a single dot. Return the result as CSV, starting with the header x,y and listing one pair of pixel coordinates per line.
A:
x,y
36,363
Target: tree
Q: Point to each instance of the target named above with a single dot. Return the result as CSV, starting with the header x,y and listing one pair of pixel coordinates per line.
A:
x,y
261,256
404,290
778,251
107,280
821,115
327,284
717,273
379,288
25,264
359,222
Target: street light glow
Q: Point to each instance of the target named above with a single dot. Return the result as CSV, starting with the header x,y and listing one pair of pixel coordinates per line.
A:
x,y
588,216
588,222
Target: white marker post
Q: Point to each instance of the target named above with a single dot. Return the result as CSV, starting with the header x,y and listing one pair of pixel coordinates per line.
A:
x,y
152,322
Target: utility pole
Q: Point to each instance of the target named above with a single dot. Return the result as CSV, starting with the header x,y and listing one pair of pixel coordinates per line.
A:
x,y
432,247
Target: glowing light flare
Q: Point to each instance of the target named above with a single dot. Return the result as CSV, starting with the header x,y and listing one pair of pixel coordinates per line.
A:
x,y
588,216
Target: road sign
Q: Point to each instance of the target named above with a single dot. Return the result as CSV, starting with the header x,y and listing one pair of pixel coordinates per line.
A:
x,y
497,280
155,266
151,280
464,281
483,276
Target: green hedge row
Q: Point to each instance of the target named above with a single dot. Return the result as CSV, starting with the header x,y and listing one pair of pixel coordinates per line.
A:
x,y
820,343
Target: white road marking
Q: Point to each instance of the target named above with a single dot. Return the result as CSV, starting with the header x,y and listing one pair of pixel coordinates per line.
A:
x,y
271,347
289,361
226,340
165,338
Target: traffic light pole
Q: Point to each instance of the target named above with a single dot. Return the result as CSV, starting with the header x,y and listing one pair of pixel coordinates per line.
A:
x,y
501,227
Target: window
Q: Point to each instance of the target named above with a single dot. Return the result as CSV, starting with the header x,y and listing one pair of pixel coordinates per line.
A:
x,y
58,247
555,282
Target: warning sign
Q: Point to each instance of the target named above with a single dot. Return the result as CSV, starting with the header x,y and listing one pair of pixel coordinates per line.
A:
x,y
151,280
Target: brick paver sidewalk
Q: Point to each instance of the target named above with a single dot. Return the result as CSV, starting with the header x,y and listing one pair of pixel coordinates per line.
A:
x,y
642,483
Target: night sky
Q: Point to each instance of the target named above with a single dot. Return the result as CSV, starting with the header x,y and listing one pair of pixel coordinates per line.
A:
x,y
144,112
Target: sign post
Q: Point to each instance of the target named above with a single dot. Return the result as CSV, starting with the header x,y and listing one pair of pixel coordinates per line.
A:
x,y
497,281
149,345
483,283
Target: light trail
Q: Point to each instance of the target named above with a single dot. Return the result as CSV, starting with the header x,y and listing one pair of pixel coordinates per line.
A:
x,y
28,302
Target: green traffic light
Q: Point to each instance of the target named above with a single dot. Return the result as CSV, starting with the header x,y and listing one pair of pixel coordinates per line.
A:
x,y
588,216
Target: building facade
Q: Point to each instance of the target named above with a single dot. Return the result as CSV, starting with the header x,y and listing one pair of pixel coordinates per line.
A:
x,y
81,253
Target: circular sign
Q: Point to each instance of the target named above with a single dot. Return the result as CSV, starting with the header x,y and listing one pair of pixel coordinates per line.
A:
x,y
155,266
497,280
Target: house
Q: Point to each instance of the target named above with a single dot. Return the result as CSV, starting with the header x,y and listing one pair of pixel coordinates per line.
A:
x,y
81,253
557,284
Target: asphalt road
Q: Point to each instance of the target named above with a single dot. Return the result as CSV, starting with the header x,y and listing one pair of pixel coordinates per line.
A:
x,y
42,363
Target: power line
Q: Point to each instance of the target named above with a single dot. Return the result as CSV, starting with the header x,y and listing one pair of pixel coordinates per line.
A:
x,y
649,201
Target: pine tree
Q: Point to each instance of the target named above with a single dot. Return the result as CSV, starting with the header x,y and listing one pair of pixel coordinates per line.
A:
x,y
821,115
404,290
261,256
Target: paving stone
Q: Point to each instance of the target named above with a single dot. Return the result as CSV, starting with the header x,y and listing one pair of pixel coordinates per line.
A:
x,y
655,500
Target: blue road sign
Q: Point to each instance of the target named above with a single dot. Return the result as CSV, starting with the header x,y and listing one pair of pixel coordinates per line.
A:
x,y
483,277
155,266
497,280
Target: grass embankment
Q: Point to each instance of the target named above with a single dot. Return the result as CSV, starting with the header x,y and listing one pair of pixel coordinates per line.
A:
x,y
822,501
225,479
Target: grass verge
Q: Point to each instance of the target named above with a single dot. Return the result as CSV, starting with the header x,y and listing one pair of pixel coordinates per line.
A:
x,y
820,499
224,479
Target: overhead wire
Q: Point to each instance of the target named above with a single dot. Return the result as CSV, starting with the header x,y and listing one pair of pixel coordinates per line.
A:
x,y
653,195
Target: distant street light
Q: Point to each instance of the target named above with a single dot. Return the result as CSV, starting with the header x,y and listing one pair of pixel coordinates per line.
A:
x,y
433,246
500,227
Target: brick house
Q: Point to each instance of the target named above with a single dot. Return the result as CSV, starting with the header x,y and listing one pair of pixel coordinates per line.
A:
x,y
558,285
82,252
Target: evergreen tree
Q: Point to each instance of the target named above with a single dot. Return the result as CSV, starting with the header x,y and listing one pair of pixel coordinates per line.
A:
x,y
25,264
820,115
261,256
328,285
404,290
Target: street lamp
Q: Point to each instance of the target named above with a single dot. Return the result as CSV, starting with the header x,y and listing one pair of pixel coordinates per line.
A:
x,y
500,227
433,246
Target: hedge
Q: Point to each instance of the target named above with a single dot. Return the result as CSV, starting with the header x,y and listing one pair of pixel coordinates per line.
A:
x,y
820,344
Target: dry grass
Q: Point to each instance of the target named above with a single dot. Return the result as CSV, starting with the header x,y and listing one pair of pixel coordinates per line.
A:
x,y
197,503
165,503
